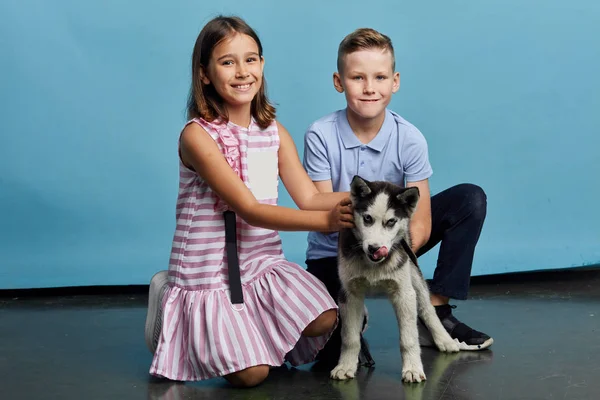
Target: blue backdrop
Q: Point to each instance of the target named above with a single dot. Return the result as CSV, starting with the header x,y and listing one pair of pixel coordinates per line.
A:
x,y
92,98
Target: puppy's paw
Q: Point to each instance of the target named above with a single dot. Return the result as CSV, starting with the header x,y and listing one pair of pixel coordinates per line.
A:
x,y
413,375
343,371
447,345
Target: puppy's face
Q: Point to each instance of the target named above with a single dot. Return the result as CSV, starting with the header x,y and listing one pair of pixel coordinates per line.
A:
x,y
382,213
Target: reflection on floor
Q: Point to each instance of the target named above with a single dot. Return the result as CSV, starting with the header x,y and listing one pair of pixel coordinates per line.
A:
x,y
546,333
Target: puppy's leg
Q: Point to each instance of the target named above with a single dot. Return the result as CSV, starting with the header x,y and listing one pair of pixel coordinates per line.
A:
x,y
351,312
404,302
441,337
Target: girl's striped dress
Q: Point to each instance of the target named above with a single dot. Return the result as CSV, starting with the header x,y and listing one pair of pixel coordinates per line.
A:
x,y
203,336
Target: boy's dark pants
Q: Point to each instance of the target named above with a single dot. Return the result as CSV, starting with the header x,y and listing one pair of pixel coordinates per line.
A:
x,y
457,216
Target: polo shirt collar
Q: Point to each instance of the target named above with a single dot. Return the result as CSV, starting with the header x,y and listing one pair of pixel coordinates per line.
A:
x,y
378,143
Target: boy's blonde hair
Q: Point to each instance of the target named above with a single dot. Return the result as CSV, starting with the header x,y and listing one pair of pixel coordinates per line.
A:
x,y
364,39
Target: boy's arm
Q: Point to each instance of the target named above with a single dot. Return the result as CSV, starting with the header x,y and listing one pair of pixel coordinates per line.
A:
x,y
417,170
420,224
316,162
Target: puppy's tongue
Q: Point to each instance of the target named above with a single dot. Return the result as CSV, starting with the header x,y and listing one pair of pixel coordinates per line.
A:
x,y
380,253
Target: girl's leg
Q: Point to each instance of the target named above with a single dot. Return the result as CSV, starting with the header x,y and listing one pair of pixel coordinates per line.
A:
x,y
322,325
248,377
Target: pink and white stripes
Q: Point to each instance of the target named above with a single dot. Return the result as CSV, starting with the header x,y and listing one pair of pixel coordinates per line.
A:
x,y
202,335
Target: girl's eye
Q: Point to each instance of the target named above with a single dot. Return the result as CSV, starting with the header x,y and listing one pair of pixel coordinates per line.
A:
x,y
381,77
251,59
357,78
228,62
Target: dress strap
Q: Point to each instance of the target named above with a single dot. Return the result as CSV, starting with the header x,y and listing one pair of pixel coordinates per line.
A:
x,y
233,264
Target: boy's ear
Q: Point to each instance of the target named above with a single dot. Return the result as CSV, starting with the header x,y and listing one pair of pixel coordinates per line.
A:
x,y
337,82
396,86
204,77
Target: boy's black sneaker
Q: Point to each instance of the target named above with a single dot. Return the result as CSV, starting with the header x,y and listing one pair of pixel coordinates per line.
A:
x,y
467,338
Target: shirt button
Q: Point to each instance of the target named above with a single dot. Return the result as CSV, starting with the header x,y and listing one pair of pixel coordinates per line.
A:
x,y
362,163
362,148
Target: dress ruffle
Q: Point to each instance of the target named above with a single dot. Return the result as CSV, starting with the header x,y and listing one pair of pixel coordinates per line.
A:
x,y
231,151
278,305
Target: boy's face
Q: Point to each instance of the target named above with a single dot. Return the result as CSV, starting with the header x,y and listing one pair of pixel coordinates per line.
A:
x,y
368,80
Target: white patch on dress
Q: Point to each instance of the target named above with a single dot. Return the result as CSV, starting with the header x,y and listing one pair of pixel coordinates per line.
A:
x,y
262,174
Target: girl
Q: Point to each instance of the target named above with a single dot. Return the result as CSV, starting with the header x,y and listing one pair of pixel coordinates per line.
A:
x,y
232,152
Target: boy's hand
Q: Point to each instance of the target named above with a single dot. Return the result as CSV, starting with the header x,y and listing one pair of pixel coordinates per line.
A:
x,y
341,216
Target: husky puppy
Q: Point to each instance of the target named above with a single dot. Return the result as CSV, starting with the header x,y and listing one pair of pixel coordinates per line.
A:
x,y
374,256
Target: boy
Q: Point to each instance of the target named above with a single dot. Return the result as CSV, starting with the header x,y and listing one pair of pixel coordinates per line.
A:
x,y
369,140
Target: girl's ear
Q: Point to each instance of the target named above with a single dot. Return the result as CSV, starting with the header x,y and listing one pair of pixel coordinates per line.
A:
x,y
262,64
204,76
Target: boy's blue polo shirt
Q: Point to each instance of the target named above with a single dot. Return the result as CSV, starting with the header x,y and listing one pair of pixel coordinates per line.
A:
x,y
332,151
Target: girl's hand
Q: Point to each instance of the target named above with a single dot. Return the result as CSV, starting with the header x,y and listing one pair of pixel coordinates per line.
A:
x,y
341,216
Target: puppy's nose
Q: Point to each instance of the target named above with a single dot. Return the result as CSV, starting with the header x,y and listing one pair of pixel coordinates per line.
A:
x,y
372,249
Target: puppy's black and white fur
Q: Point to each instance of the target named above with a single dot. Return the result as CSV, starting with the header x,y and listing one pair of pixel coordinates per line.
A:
x,y
376,255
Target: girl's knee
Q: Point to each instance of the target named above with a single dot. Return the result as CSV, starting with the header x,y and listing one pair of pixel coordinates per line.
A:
x,y
322,325
249,377
330,318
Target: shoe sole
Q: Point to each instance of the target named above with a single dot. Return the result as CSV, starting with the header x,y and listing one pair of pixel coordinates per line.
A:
x,y
474,347
426,340
158,284
462,346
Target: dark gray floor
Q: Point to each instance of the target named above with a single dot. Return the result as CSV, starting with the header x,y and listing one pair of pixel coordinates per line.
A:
x,y
546,332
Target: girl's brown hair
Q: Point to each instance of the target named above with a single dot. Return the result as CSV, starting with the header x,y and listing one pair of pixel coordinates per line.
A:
x,y
203,100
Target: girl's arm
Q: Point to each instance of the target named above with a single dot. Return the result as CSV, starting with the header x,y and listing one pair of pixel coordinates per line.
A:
x,y
297,182
199,150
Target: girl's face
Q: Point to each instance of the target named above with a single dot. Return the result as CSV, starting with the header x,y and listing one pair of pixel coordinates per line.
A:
x,y
235,70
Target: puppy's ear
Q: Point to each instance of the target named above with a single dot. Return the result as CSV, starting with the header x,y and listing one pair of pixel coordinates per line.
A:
x,y
409,197
359,187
